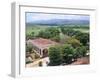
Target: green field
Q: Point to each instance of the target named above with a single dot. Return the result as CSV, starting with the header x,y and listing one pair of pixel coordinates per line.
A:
x,y
37,28
82,30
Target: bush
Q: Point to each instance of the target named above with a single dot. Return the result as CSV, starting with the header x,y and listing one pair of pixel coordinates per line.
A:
x,y
56,38
67,31
30,36
40,64
29,47
74,42
44,34
49,33
83,38
80,52
55,56
67,53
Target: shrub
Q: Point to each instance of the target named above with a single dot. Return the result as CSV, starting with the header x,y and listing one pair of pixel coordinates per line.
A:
x,y
29,47
80,52
56,38
83,38
67,53
49,33
55,56
74,42
40,63
30,35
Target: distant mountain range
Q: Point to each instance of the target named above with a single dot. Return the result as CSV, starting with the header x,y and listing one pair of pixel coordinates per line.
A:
x,y
59,22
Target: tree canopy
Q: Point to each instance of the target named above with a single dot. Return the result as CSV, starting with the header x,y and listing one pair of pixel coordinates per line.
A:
x,y
50,33
55,56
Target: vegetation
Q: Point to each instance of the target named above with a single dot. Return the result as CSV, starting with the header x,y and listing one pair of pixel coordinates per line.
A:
x,y
30,53
74,42
80,52
50,33
29,47
67,53
83,37
40,63
55,56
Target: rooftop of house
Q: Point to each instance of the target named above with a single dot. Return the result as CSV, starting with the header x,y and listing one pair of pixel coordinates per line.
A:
x,y
42,43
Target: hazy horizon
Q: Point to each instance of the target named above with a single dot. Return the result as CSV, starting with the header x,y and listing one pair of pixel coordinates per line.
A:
x,y
35,17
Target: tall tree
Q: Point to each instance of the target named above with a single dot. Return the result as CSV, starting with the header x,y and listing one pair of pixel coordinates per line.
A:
x,y
74,42
80,51
55,56
67,53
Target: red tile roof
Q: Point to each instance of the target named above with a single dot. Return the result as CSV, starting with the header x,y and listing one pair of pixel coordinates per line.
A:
x,y
43,43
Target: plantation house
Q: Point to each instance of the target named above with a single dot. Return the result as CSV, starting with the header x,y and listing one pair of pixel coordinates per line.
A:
x,y
41,46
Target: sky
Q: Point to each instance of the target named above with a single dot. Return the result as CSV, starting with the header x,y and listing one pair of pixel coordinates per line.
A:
x,y
32,17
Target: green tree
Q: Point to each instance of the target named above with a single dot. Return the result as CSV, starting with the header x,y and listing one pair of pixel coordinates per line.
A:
x,y
67,53
80,52
49,33
67,31
83,38
30,35
55,56
56,38
29,47
74,42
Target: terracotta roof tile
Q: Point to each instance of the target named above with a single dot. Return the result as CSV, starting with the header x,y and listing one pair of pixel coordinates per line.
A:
x,y
43,43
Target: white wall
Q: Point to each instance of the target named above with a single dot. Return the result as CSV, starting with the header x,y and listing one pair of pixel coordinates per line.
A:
x,y
5,41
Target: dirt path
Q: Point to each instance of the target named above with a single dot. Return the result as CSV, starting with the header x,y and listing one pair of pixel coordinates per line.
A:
x,y
36,63
84,60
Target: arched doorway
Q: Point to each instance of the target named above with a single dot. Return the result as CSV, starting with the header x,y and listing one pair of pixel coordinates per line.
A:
x,y
45,52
